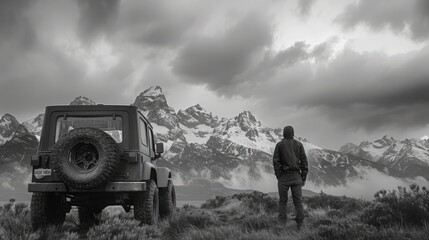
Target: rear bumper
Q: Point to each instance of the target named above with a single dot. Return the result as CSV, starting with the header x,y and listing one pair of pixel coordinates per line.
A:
x,y
109,187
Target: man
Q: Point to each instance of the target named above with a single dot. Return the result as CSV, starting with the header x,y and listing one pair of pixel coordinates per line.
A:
x,y
291,168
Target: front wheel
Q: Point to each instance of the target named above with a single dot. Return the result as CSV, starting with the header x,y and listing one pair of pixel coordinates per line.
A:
x,y
167,200
146,204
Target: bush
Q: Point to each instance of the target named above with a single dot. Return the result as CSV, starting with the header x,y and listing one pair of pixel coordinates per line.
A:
x,y
232,232
343,203
404,207
258,222
213,203
345,230
15,221
182,221
123,229
54,233
255,201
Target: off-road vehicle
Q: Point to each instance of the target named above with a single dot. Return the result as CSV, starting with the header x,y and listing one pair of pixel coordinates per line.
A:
x,y
92,157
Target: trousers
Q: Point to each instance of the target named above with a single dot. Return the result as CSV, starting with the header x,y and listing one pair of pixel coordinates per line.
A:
x,y
296,188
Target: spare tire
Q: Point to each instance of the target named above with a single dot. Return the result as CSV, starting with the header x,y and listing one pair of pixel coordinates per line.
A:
x,y
84,158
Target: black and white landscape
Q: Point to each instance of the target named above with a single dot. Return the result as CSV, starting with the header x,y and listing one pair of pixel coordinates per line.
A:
x,y
235,152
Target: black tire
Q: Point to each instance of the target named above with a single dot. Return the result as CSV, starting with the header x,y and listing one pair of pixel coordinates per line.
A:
x,y
47,209
146,204
101,148
87,217
167,200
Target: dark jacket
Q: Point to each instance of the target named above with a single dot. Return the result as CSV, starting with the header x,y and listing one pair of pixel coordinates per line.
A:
x,y
290,158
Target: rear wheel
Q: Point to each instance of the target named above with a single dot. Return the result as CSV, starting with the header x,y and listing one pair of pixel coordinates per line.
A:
x,y
47,208
88,217
146,204
167,200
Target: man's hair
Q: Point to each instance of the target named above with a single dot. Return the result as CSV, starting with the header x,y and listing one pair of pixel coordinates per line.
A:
x,y
288,132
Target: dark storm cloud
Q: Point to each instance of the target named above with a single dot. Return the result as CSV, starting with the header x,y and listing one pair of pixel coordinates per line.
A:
x,y
289,56
157,23
299,51
151,23
217,60
399,15
14,23
358,90
36,71
305,6
96,17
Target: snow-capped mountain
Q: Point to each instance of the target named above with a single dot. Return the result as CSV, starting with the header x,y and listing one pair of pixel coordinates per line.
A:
x,y
34,125
82,101
154,105
9,126
409,157
236,151
16,149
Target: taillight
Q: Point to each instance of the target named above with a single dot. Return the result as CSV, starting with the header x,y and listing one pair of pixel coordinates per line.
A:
x,y
35,160
40,161
131,156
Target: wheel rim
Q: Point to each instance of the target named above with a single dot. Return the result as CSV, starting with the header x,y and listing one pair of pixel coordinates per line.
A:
x,y
84,156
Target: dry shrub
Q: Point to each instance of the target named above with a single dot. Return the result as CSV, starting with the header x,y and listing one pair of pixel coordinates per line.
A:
x,y
182,221
123,229
404,207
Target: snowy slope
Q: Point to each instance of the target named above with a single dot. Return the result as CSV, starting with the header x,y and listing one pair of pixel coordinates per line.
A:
x,y
34,126
409,156
9,127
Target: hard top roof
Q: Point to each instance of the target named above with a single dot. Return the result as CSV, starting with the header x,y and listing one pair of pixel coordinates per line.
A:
x,y
91,107
99,107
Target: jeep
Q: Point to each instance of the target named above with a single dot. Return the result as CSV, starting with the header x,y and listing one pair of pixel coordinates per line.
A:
x,y
96,156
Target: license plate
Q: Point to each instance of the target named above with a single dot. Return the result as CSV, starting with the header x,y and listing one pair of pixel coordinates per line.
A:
x,y
42,172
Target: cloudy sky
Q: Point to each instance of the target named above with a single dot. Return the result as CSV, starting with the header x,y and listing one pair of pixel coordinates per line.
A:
x,y
339,70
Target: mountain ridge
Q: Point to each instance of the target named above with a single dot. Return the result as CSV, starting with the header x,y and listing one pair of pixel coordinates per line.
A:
x,y
409,156
237,151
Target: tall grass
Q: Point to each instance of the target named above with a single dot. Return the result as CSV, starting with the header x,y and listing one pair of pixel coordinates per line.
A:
x,y
395,214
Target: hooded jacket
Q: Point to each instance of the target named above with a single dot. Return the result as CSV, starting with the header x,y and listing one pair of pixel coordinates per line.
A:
x,y
290,158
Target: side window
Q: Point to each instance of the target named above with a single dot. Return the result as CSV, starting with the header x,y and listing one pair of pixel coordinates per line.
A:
x,y
152,147
143,132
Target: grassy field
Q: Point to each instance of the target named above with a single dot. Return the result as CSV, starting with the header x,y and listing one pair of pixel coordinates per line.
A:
x,y
397,214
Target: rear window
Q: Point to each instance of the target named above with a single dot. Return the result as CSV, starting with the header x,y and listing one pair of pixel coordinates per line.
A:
x,y
111,126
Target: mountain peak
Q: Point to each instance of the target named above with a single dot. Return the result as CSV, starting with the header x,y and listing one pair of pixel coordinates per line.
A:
x,y
154,105
247,115
152,91
82,101
8,118
246,121
386,137
151,99
196,108
385,140
10,127
195,115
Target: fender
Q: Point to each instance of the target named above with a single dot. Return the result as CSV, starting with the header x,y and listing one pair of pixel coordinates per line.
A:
x,y
146,170
163,175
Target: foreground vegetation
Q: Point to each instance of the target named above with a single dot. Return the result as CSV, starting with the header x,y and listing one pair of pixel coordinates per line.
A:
x,y
397,214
